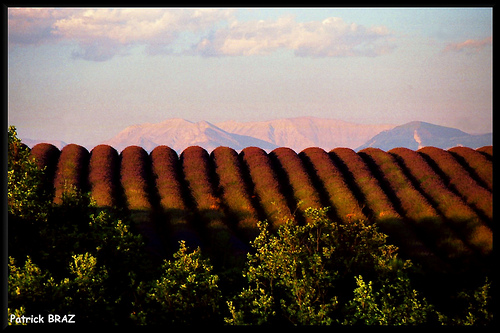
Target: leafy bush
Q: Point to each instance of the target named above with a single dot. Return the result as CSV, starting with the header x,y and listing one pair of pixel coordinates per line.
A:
x,y
27,197
305,274
186,292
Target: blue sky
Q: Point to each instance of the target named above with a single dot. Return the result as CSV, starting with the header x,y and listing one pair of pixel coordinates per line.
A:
x,y
83,75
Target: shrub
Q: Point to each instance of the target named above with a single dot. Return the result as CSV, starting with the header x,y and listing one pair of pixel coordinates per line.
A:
x,y
450,205
459,179
186,292
104,175
266,185
304,275
27,197
332,181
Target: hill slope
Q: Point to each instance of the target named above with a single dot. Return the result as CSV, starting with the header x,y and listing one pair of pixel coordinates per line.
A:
x,y
432,203
418,134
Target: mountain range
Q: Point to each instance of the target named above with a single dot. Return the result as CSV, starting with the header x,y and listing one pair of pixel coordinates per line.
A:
x,y
295,133
417,134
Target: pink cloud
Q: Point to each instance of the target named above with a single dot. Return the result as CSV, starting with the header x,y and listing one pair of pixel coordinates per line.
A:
x,y
33,25
469,45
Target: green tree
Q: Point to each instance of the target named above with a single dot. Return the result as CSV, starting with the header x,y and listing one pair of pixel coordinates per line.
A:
x,y
305,275
26,195
103,252
395,303
186,292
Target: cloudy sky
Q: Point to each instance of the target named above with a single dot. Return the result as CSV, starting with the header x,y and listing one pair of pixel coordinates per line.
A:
x,y
81,75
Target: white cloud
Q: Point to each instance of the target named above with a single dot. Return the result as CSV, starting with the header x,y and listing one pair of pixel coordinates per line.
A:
x,y
333,37
104,32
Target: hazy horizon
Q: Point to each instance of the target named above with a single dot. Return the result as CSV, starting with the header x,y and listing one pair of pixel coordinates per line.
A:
x,y
83,75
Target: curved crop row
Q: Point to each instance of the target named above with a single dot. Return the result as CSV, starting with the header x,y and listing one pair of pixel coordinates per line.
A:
x,y
341,198
303,191
71,171
487,150
197,173
463,218
457,177
433,204
414,205
480,164
266,185
174,219
382,211
104,175
134,178
46,156
234,192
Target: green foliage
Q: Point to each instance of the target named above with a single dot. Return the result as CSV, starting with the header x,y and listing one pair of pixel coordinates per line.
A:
x,y
79,258
186,292
394,303
479,309
26,196
35,289
301,275
100,248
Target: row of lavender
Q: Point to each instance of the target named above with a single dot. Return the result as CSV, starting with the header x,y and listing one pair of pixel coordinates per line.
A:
x,y
435,204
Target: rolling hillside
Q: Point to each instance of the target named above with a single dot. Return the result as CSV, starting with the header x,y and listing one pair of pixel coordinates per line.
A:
x,y
435,204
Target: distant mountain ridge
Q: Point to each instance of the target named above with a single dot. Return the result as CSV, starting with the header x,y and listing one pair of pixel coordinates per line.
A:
x,y
303,132
417,134
180,134
31,143
296,133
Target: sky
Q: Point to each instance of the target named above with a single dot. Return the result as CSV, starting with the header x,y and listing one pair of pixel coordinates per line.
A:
x,y
81,75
